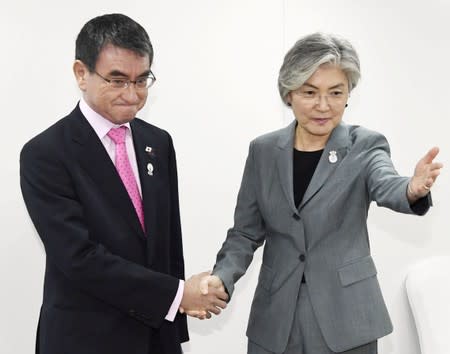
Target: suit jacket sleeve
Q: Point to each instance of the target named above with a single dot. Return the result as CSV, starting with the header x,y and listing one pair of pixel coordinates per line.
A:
x,y
51,199
385,186
247,234
177,260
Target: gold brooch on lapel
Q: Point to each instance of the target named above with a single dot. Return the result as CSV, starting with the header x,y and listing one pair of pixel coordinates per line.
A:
x,y
150,169
333,156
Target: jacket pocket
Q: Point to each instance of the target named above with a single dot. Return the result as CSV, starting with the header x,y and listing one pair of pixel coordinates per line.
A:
x,y
356,271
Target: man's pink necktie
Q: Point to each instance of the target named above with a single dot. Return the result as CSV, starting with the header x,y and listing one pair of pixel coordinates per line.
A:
x,y
125,172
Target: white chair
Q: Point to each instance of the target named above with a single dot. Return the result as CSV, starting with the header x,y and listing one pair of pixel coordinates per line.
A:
x,y
428,290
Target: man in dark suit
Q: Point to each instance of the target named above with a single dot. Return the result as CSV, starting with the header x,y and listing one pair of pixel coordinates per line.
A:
x,y
101,188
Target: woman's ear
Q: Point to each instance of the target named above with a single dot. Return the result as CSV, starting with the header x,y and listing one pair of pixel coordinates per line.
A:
x,y
289,99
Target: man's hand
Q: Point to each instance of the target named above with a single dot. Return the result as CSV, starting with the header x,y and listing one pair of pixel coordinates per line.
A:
x,y
425,175
210,281
201,304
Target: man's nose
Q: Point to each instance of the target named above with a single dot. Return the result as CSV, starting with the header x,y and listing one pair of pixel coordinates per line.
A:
x,y
130,93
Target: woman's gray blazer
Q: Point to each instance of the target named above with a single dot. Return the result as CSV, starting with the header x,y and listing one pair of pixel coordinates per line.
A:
x,y
325,238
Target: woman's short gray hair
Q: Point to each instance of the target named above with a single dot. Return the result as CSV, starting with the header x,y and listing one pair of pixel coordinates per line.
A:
x,y
305,57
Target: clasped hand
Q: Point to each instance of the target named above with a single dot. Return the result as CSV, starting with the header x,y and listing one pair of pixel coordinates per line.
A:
x,y
203,294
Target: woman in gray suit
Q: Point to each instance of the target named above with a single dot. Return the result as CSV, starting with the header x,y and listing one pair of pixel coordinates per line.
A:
x,y
306,192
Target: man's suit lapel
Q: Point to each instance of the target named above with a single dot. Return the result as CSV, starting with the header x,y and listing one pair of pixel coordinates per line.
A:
x,y
337,145
149,173
94,159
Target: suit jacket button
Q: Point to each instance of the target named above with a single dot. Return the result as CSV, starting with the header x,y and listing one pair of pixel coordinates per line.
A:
x,y
296,216
132,312
302,258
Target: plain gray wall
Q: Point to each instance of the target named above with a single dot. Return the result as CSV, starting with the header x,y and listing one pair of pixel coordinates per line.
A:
x,y
216,64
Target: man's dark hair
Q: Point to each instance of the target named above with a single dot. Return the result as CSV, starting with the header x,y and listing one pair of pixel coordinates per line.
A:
x,y
116,29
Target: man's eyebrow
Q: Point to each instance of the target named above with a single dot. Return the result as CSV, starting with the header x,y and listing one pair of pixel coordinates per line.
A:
x,y
119,73
116,73
145,73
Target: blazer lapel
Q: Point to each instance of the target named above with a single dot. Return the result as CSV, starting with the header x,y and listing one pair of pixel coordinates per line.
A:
x,y
94,159
285,163
146,148
337,145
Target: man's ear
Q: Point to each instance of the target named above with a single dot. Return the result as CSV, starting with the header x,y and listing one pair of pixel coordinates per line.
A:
x,y
81,73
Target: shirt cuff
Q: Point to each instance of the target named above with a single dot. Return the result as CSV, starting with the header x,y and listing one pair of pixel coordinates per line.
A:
x,y
176,303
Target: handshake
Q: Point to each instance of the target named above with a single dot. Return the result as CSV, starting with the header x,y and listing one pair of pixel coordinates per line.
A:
x,y
203,294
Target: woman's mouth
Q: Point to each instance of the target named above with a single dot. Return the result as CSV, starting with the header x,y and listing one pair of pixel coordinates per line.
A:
x,y
321,121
